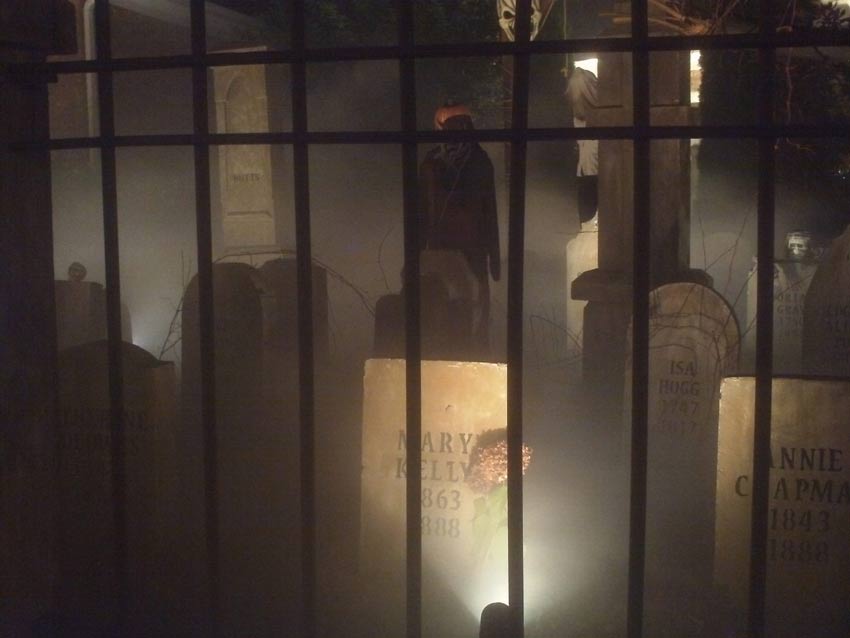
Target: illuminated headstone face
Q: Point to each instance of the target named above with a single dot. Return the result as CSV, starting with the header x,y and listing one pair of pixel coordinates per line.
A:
x,y
693,342
462,542
808,552
245,170
826,319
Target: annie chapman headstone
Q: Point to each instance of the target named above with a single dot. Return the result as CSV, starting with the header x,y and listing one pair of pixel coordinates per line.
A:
x,y
460,401
826,316
693,344
808,554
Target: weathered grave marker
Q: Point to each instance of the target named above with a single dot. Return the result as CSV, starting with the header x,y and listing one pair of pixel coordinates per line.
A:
x,y
245,170
826,318
808,552
460,401
256,488
693,343
84,432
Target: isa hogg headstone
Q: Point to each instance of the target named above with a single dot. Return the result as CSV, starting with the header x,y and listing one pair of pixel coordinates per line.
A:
x,y
808,524
693,343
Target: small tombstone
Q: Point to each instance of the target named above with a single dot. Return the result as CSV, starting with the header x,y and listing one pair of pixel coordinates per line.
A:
x,y
80,309
280,309
460,401
693,343
826,317
85,460
450,312
582,255
255,523
808,554
791,279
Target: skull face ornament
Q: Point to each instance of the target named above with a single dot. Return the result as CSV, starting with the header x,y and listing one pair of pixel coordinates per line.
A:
x,y
798,245
507,17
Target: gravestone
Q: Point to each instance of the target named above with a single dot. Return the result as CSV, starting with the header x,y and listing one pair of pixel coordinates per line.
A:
x,y
280,310
80,312
608,287
87,535
693,343
450,312
245,170
808,556
582,255
459,402
791,279
826,316
258,545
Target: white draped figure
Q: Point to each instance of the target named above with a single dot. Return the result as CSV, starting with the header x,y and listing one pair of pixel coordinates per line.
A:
x,y
507,17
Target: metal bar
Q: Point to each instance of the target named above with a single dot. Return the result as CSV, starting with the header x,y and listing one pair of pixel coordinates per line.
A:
x,y
203,223
764,337
516,252
306,378
113,318
475,49
412,323
640,322
479,135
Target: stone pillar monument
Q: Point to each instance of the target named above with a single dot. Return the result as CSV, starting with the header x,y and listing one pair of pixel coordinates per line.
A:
x,y
608,288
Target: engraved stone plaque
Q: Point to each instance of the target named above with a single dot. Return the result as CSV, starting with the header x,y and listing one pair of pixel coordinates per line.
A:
x,y
693,343
790,283
808,552
460,401
245,170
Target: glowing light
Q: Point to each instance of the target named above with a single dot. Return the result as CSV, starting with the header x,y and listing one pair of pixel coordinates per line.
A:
x,y
590,64
696,76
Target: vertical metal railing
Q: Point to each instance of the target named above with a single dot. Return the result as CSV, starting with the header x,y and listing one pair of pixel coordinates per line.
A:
x,y
203,223
412,304
109,188
641,136
516,253
306,377
764,328
640,319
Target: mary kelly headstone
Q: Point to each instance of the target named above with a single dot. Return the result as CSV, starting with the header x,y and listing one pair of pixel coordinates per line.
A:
x,y
808,524
460,400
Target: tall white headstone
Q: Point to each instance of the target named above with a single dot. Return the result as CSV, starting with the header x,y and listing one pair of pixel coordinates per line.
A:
x,y
245,170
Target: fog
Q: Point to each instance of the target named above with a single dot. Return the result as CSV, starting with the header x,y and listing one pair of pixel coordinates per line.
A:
x,y
576,490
